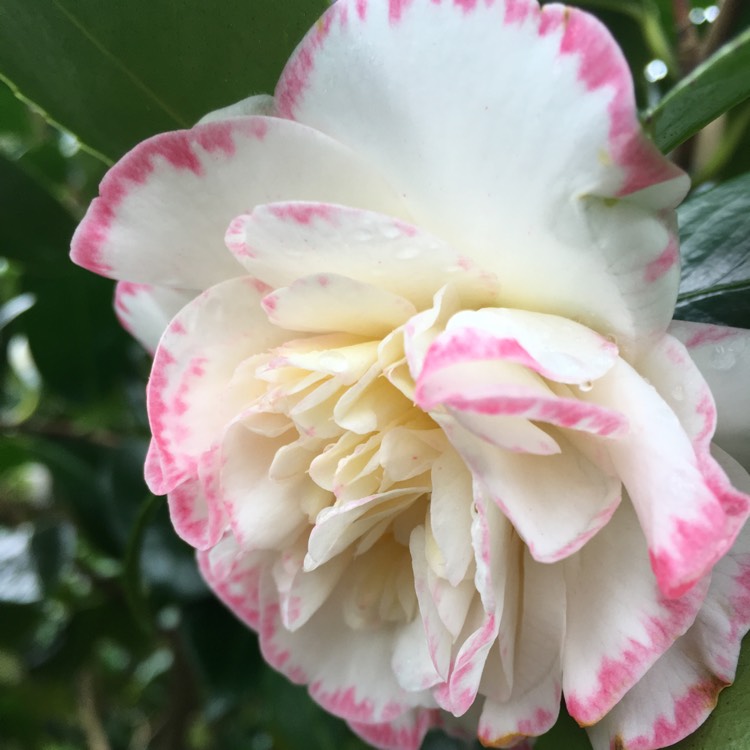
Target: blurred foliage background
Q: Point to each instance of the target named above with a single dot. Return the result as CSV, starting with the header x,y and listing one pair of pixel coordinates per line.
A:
x,y
109,639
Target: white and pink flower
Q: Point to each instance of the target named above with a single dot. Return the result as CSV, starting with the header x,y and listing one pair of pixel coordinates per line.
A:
x,y
417,398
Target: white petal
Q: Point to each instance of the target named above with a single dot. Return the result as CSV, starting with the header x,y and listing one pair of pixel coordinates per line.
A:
x,y
450,514
618,622
281,242
531,708
543,207
145,310
264,513
189,399
556,502
260,104
164,207
689,512
679,691
723,357
329,302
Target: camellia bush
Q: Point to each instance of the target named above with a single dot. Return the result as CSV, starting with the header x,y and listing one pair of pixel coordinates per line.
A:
x,y
419,413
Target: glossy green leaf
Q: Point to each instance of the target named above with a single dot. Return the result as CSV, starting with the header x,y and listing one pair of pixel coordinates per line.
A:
x,y
115,73
715,235
711,89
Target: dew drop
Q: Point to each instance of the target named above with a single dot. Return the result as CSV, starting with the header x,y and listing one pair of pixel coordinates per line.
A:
x,y
723,358
678,393
738,345
586,386
407,253
391,232
656,70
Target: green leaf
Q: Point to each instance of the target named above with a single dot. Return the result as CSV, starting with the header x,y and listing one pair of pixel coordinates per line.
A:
x,y
728,727
52,548
115,73
131,576
715,235
711,89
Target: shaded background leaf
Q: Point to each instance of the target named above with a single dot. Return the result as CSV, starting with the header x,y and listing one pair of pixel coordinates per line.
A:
x,y
74,662
116,73
715,239
717,85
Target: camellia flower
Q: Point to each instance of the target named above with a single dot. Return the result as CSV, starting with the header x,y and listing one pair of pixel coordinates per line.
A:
x,y
416,398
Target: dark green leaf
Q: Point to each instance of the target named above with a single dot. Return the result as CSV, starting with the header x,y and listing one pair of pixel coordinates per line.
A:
x,y
715,234
168,564
116,73
710,90
227,672
74,337
436,739
565,735
15,123
131,578
52,548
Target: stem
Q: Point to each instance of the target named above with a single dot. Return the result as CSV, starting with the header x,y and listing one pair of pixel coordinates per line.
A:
x,y
96,737
688,42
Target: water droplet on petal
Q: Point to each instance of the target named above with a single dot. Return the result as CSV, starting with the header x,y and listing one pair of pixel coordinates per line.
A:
x,y
678,393
723,358
407,253
391,232
586,386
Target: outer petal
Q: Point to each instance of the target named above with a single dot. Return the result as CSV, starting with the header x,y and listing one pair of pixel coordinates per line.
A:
x,y
260,104
333,667
404,733
196,506
680,690
723,357
145,310
689,511
164,207
281,242
590,208
235,578
188,402
618,623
